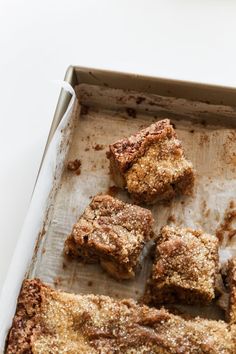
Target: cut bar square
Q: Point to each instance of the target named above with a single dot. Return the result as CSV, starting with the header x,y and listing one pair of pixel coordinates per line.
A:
x,y
151,164
185,267
113,233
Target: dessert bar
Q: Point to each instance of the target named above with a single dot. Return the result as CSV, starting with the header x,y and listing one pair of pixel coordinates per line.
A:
x,y
113,233
151,164
49,321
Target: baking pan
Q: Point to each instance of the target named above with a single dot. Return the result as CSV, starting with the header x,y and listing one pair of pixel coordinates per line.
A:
x,y
105,107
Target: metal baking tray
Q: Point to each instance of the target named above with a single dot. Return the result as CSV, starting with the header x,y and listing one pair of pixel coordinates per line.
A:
x,y
106,107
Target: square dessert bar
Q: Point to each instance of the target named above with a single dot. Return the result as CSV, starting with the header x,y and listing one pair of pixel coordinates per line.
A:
x,y
231,280
185,267
151,164
49,321
113,233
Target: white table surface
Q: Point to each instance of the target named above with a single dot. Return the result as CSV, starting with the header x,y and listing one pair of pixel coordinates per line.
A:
x,y
191,40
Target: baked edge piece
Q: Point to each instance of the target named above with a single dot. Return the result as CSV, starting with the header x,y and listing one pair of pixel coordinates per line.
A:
x,y
140,329
163,291
231,279
125,152
122,259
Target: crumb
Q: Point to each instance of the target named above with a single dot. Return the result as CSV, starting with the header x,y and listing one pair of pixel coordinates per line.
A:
x,y
136,292
191,131
225,229
74,165
171,218
113,190
108,154
57,281
90,283
98,147
204,138
78,172
86,149
84,110
64,266
203,122
140,99
131,112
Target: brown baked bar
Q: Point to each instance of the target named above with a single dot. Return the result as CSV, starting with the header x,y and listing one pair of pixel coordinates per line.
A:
x,y
113,233
49,321
231,280
185,267
151,164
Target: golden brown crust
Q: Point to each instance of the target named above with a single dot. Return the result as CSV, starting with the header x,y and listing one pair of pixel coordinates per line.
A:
x,y
67,323
113,233
151,164
185,268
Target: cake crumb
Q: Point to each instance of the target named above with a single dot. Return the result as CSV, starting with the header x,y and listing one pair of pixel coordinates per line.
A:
x,y
98,147
90,283
74,165
225,230
171,218
131,112
57,281
140,99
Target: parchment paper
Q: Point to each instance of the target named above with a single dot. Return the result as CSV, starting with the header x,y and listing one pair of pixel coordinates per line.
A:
x,y
208,136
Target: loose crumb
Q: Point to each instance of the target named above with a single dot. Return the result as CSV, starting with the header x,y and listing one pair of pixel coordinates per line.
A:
x,y
64,266
140,99
191,131
74,165
90,283
226,228
131,112
57,281
171,218
86,149
98,147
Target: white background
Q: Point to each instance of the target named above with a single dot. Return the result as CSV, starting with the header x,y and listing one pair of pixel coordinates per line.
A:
x,y
191,40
